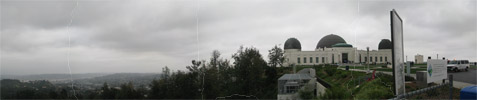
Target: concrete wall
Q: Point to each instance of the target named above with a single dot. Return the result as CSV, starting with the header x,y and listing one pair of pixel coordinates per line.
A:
x,y
287,96
320,89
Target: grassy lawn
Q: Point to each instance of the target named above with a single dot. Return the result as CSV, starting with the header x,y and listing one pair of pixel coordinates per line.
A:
x,y
420,64
413,71
473,66
379,68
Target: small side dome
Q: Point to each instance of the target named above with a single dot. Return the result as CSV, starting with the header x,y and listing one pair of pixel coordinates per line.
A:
x,y
385,44
342,45
329,40
292,43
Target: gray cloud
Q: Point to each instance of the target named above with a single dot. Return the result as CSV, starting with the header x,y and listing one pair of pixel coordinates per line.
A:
x,y
146,35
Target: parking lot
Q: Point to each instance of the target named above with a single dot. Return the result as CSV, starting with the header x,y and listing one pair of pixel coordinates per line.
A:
x,y
465,76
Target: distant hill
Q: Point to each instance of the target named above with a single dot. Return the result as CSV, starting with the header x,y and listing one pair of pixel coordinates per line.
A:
x,y
91,79
120,78
53,77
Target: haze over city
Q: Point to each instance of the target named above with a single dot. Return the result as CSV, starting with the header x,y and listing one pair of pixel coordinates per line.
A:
x,y
111,36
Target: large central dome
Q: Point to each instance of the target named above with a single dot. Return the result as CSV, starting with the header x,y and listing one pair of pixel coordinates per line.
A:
x,y
329,40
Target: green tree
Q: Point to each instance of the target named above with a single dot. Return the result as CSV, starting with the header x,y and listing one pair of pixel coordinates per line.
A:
x,y
166,72
53,94
249,71
161,89
63,94
107,93
156,91
276,57
128,92
211,85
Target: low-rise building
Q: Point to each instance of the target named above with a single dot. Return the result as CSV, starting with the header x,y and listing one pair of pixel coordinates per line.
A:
x,y
419,59
289,85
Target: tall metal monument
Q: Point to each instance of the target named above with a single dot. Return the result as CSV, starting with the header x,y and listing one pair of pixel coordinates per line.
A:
x,y
397,53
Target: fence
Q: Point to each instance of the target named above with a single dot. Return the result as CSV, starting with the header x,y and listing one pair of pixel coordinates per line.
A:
x,y
409,94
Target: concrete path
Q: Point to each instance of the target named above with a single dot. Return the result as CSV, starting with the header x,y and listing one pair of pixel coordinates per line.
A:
x,y
457,84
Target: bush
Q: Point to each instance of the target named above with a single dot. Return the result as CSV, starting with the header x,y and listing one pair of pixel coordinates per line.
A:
x,y
409,78
343,74
331,70
374,90
336,92
385,77
306,94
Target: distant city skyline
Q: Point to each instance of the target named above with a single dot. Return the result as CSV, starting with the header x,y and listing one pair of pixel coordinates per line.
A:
x,y
144,35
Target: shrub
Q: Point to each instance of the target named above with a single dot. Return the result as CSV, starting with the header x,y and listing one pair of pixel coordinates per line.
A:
x,y
343,74
336,92
374,90
409,78
306,94
331,70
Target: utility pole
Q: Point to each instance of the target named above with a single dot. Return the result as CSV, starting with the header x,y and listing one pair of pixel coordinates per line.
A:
x,y
406,58
367,57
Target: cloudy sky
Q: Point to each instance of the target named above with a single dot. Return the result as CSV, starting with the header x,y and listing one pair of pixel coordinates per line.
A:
x,y
146,35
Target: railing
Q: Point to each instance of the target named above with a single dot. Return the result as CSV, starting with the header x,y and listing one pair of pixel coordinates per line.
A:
x,y
322,82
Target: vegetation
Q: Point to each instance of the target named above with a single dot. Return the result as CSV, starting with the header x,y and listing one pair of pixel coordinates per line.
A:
x,y
249,75
413,71
473,66
31,90
380,68
374,90
354,85
346,87
439,93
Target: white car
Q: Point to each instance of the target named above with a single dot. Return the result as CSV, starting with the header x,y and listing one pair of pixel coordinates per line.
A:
x,y
457,65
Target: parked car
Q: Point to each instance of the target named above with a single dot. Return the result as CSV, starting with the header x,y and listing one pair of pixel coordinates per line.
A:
x,y
458,65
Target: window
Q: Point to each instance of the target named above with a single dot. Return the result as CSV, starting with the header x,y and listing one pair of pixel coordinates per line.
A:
x,y
311,59
323,59
386,59
291,89
370,59
375,59
317,60
381,59
365,59
332,58
298,60
304,59
360,58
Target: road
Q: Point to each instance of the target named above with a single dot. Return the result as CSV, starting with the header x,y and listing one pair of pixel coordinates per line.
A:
x,y
463,76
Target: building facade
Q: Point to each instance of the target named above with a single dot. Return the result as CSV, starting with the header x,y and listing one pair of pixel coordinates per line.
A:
x,y
332,49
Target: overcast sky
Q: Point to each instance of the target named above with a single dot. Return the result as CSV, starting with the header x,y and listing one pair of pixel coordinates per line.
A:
x,y
146,35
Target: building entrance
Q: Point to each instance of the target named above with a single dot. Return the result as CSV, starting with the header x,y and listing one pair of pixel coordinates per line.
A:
x,y
344,57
